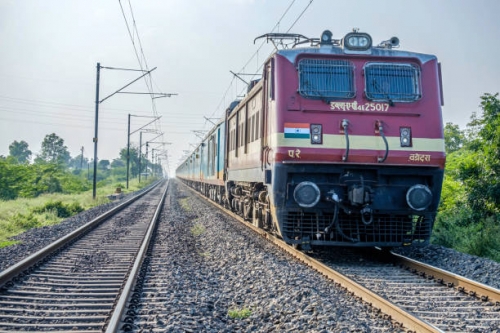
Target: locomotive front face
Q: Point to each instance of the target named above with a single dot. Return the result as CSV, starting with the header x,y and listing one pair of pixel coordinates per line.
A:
x,y
357,143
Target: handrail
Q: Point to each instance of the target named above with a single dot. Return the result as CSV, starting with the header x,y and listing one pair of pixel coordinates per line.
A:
x,y
381,131
345,125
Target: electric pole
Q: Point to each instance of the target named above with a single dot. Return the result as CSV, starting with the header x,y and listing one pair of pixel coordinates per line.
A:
x,y
81,160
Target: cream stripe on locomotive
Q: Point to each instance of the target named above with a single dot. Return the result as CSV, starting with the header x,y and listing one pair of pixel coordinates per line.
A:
x,y
337,141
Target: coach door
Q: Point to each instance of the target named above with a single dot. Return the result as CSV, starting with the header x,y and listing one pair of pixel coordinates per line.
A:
x,y
268,96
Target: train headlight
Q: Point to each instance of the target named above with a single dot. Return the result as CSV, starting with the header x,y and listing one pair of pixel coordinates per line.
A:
x,y
357,41
326,37
419,197
307,194
316,134
405,136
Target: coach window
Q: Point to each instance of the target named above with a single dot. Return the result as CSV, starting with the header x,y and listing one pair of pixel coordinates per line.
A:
x,y
257,126
233,139
213,154
237,133
242,141
246,125
252,128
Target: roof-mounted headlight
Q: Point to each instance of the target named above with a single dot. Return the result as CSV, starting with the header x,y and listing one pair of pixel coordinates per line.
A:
x,y
358,41
326,38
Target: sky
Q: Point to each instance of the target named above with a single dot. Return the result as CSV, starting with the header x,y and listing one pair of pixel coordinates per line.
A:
x,y
49,51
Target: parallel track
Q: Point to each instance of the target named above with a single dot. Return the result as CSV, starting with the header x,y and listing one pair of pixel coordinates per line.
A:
x,y
75,283
458,304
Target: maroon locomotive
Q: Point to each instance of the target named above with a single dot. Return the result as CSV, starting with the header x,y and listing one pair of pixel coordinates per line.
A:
x,y
340,143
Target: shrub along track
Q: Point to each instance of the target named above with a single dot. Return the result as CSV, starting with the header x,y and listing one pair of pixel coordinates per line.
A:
x,y
74,283
415,296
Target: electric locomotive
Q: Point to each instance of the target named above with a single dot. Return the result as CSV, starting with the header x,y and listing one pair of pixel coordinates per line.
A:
x,y
339,144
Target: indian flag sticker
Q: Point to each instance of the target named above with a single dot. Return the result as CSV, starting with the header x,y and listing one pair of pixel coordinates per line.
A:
x,y
297,131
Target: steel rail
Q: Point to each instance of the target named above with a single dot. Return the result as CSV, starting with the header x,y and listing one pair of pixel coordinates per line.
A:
x,y
119,308
461,283
407,320
13,271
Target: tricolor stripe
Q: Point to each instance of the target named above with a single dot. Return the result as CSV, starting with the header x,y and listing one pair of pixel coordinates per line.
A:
x,y
297,131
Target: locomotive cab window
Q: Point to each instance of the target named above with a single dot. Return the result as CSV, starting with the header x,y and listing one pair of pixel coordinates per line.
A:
x,y
392,82
326,79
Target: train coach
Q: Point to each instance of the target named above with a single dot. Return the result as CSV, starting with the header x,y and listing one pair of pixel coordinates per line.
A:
x,y
339,144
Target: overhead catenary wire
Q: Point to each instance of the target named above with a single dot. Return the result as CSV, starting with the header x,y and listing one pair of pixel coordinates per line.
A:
x,y
256,53
57,105
300,16
142,61
223,100
87,116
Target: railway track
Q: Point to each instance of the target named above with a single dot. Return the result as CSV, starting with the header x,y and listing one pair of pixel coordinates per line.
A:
x,y
415,296
75,283
200,266
448,302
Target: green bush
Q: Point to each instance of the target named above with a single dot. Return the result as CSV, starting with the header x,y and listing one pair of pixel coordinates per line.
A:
x,y
73,184
458,231
62,210
25,221
482,240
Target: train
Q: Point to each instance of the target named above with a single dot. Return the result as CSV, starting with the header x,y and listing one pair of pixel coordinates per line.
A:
x,y
339,143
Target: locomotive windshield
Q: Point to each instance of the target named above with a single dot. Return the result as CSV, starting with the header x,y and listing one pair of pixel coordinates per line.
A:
x,y
326,79
392,82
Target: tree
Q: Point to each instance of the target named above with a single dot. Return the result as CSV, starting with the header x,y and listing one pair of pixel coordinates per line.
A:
x,y
53,151
469,211
454,138
479,169
20,152
78,162
103,164
117,163
134,159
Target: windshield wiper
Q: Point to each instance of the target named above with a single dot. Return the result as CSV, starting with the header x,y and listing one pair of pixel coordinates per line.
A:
x,y
387,97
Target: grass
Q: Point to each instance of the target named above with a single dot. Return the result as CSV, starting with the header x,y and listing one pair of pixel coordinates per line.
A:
x,y
184,204
197,229
17,216
239,314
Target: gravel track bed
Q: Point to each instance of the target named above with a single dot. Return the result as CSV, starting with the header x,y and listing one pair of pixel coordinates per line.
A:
x,y
36,239
204,265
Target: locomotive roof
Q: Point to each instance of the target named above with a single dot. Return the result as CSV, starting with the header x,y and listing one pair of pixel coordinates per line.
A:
x,y
354,43
291,54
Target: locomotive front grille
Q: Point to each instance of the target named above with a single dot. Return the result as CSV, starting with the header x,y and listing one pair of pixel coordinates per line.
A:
x,y
383,230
